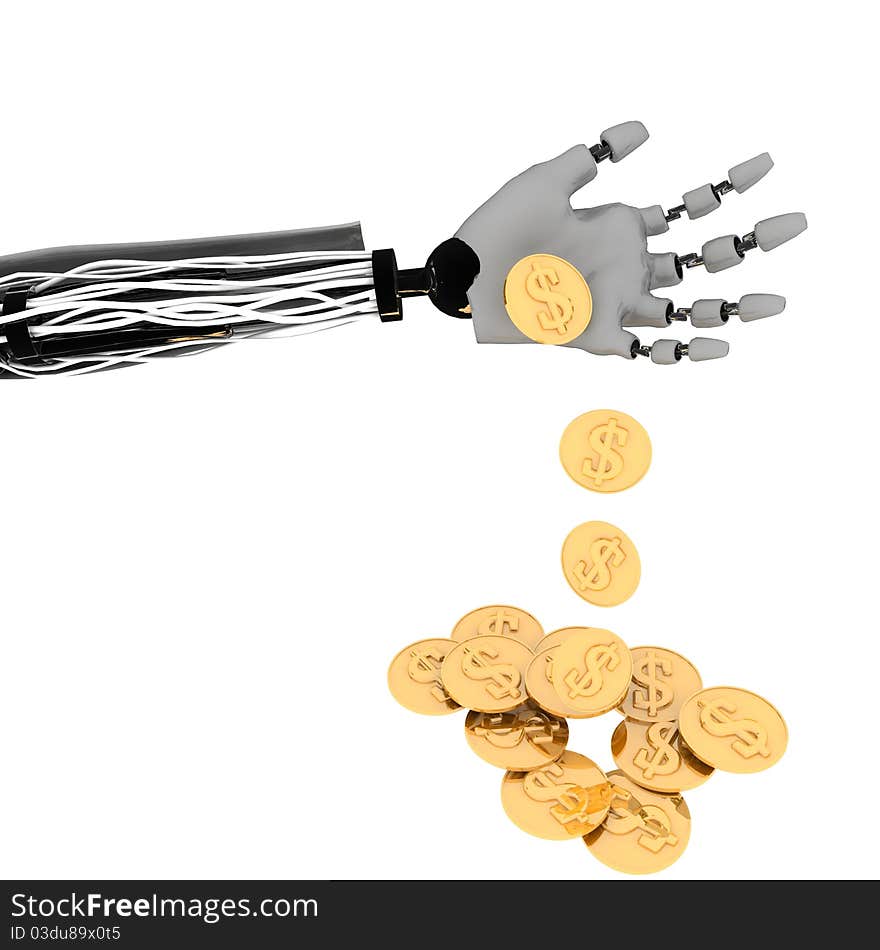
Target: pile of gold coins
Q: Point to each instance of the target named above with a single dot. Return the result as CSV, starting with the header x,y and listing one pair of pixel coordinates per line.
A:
x,y
521,686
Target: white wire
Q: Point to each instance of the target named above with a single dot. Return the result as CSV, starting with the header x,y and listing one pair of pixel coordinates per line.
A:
x,y
197,312
223,291
302,277
336,291
112,268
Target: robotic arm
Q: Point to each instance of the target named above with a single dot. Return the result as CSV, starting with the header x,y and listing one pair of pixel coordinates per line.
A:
x,y
525,266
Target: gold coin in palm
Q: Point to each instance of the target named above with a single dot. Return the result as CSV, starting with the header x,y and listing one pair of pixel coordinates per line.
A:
x,y
487,673
644,831
565,799
547,299
499,620
733,729
653,755
591,671
661,681
414,678
605,450
521,739
601,563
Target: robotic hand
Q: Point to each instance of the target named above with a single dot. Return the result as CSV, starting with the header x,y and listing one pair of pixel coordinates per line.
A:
x,y
531,220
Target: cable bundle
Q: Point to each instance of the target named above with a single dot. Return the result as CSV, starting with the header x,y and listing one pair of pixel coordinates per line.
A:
x,y
112,313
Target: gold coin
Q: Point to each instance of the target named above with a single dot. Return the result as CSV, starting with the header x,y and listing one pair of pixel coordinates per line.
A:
x,y
486,673
601,564
565,799
547,299
414,677
539,685
661,681
499,620
605,450
653,756
521,739
733,729
644,831
591,671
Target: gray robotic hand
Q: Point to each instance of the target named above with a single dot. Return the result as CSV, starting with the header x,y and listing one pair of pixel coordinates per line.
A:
x,y
608,245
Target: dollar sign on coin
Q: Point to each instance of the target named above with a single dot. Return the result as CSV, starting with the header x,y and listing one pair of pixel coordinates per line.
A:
x,y
605,450
627,815
414,677
522,739
485,673
560,800
507,730
604,553
499,620
572,801
751,737
424,667
542,785
598,657
662,680
732,729
501,730
591,671
661,758
539,685
503,678
654,756
547,298
647,672
494,624
539,286
644,831
600,563
608,464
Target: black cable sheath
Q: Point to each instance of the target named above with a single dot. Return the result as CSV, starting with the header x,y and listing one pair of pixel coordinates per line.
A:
x,y
340,237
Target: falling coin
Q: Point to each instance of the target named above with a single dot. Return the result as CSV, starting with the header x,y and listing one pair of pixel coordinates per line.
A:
x,y
600,563
565,799
661,681
733,729
522,739
500,620
486,673
605,450
547,299
591,671
414,677
644,831
654,757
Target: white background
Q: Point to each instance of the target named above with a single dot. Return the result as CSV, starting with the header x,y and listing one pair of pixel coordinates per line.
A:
x,y
208,564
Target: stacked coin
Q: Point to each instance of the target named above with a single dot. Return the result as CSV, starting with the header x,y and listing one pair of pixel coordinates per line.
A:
x,y
521,687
